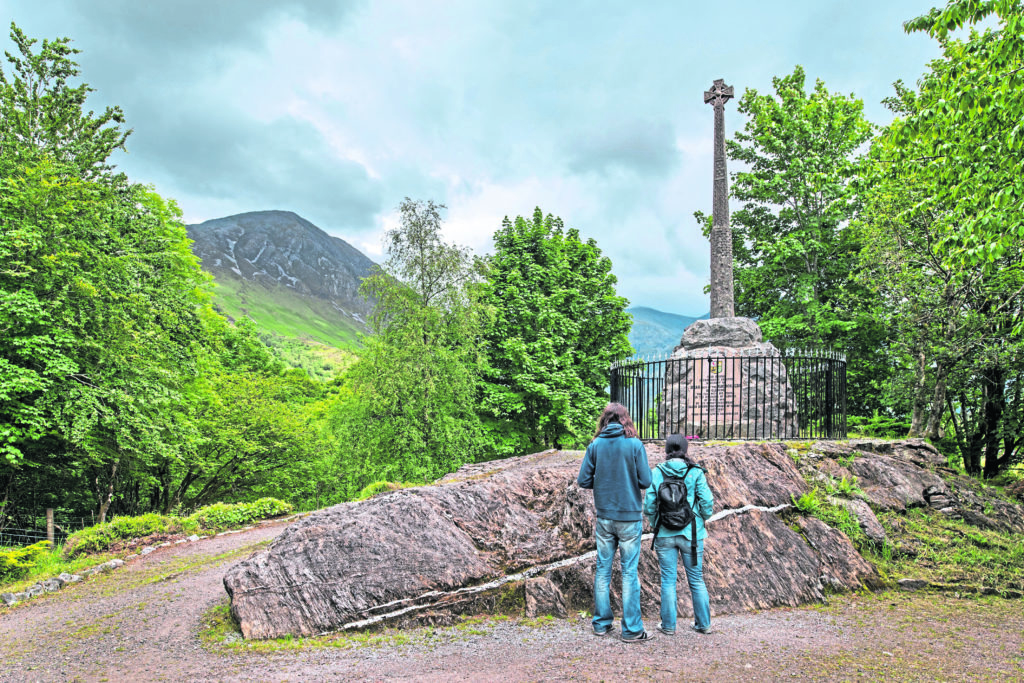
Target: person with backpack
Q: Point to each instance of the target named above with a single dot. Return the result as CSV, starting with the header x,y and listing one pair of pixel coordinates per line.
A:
x,y
615,467
677,504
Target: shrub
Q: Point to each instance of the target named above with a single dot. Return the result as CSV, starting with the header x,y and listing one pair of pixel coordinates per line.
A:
x,y
376,487
101,536
844,487
15,562
225,515
878,426
217,516
808,503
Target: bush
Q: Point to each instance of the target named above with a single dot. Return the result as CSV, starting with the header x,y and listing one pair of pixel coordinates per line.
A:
x,y
98,538
878,426
376,487
16,562
217,516
224,515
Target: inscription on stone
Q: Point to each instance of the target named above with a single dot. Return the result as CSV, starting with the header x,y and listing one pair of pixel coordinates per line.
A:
x,y
714,395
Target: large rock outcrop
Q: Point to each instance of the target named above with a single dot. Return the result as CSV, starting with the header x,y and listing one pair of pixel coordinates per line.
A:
x,y
518,534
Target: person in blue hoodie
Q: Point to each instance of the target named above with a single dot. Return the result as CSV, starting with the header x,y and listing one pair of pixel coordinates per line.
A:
x,y
671,543
615,467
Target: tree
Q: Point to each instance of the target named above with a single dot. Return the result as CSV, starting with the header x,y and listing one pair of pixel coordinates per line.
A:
x,y
964,136
556,325
954,236
407,412
794,252
99,291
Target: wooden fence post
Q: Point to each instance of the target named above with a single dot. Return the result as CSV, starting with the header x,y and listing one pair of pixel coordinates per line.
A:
x,y
49,525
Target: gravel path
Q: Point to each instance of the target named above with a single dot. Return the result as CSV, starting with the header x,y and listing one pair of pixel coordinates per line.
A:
x,y
142,622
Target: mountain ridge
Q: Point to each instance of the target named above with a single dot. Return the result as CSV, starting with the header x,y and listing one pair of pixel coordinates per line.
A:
x,y
298,283
656,332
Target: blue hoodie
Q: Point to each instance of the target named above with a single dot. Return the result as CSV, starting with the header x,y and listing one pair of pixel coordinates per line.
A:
x,y
616,468
697,490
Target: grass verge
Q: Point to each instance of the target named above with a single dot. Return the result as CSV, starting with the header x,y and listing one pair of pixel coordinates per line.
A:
x,y
221,633
929,545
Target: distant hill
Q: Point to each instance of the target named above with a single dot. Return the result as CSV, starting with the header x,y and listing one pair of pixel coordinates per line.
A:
x,y
657,332
293,279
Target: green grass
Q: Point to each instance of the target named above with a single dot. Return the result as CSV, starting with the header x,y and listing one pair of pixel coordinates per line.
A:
x,y
51,563
814,504
928,545
287,314
220,632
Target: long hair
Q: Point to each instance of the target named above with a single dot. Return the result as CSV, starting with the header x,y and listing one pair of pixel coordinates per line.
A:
x,y
616,412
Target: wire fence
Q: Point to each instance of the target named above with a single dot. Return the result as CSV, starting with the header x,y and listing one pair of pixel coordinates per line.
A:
x,y
11,535
729,394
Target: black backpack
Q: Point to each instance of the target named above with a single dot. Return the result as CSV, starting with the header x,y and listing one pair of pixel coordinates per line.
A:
x,y
673,508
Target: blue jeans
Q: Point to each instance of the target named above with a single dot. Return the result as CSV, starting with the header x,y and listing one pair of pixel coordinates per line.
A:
x,y
626,537
669,549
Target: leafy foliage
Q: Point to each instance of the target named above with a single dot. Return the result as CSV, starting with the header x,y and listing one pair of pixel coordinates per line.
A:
x,y
406,411
794,252
943,200
555,325
119,385
225,516
214,517
101,536
964,135
16,562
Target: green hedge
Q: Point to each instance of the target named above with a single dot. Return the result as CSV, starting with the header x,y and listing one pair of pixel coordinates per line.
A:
x,y
15,562
212,517
224,515
98,538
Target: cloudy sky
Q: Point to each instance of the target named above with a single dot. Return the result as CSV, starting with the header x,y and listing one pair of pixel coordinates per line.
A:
x,y
338,109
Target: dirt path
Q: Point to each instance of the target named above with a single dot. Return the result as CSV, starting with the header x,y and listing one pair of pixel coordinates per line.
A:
x,y
143,621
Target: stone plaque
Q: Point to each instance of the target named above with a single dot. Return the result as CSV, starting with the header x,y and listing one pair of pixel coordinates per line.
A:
x,y
713,396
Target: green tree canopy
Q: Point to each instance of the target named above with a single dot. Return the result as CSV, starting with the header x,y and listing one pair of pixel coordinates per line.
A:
x,y
407,411
964,136
556,324
794,252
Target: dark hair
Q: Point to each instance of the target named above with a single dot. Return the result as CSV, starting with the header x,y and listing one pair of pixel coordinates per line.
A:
x,y
616,412
676,446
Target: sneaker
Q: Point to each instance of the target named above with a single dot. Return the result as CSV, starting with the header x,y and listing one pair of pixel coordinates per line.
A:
x,y
665,630
700,630
643,637
604,632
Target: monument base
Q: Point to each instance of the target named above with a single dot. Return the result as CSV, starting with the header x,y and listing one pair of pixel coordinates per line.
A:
x,y
724,382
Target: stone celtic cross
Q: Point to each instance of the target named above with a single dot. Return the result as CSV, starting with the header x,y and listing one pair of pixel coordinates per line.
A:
x,y
722,305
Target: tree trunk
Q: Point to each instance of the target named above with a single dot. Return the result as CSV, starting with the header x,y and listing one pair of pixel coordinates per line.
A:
x,y
972,441
109,497
995,394
933,428
917,415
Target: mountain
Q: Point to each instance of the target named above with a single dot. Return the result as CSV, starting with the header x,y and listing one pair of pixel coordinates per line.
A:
x,y
293,279
656,332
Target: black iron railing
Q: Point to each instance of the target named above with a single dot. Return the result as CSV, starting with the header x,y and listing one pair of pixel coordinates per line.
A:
x,y
728,394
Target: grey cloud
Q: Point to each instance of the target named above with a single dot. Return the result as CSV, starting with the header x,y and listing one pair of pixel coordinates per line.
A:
x,y
285,164
136,40
644,148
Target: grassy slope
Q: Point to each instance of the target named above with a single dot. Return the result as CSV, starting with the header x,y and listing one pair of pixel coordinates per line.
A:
x,y
309,333
279,311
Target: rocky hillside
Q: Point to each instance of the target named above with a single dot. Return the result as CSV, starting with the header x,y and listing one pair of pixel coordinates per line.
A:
x,y
656,332
287,274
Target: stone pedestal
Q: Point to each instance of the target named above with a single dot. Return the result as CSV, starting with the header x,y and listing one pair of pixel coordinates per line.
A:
x,y
724,382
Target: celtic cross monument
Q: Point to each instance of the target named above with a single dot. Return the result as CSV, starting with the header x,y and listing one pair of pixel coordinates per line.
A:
x,y
723,380
721,234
